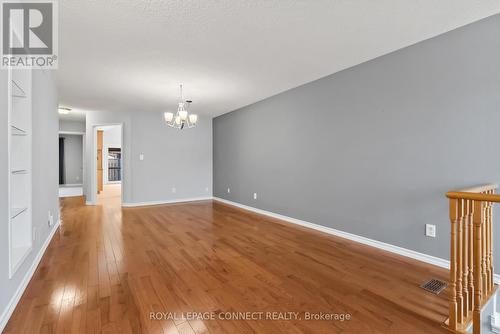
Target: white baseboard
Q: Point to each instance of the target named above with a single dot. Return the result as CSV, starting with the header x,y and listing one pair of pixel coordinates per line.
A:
x,y
4,318
181,200
370,242
71,185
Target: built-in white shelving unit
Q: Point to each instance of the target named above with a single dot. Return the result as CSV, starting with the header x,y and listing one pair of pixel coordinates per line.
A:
x,y
20,160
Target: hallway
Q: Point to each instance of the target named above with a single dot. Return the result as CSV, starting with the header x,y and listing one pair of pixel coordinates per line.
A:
x,y
111,195
107,268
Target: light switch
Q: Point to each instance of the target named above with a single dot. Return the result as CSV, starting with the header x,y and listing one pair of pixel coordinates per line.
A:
x,y
430,230
141,156
50,219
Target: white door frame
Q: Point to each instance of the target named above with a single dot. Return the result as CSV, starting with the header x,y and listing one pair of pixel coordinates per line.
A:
x,y
92,197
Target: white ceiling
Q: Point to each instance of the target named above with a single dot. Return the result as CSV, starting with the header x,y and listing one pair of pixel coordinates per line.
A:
x,y
132,54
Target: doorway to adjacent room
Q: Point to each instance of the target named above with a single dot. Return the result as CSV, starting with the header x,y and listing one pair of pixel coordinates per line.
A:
x,y
109,166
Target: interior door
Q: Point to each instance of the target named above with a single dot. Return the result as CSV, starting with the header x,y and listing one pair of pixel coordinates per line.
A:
x,y
99,161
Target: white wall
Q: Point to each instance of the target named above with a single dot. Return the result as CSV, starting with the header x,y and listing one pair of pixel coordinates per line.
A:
x,y
71,126
111,138
172,158
73,158
45,180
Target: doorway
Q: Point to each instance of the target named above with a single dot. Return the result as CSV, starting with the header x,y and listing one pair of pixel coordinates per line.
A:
x,y
71,163
109,164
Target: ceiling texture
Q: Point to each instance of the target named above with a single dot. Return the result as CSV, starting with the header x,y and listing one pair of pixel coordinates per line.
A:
x,y
132,54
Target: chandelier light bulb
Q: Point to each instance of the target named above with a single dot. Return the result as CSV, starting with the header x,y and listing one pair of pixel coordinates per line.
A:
x,y
168,117
193,118
177,120
183,114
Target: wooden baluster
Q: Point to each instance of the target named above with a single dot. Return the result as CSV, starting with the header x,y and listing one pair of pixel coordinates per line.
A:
x,y
453,264
490,244
492,269
483,250
471,255
478,221
459,261
465,258
486,247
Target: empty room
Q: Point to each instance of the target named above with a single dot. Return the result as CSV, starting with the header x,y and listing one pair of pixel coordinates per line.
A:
x,y
249,166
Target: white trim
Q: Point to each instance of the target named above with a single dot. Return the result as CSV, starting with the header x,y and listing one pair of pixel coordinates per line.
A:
x,y
4,318
436,261
67,185
172,201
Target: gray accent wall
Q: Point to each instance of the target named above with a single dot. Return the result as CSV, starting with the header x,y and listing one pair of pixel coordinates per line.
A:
x,y
371,150
45,176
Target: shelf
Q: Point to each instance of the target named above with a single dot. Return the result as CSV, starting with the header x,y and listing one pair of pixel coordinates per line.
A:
x,y
20,154
14,212
15,131
17,91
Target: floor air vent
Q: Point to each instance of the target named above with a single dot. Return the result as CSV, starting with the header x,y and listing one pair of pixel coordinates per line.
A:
x,y
434,285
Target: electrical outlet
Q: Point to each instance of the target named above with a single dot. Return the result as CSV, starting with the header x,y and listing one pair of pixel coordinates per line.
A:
x,y
174,190
141,156
228,190
254,195
206,190
430,230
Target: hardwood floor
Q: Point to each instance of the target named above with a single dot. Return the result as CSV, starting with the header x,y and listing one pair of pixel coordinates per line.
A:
x,y
110,195
107,268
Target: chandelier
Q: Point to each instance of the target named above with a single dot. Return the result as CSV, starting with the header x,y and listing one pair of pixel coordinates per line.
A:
x,y
182,118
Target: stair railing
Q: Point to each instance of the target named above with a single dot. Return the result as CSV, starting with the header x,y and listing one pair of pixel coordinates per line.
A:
x,y
471,255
